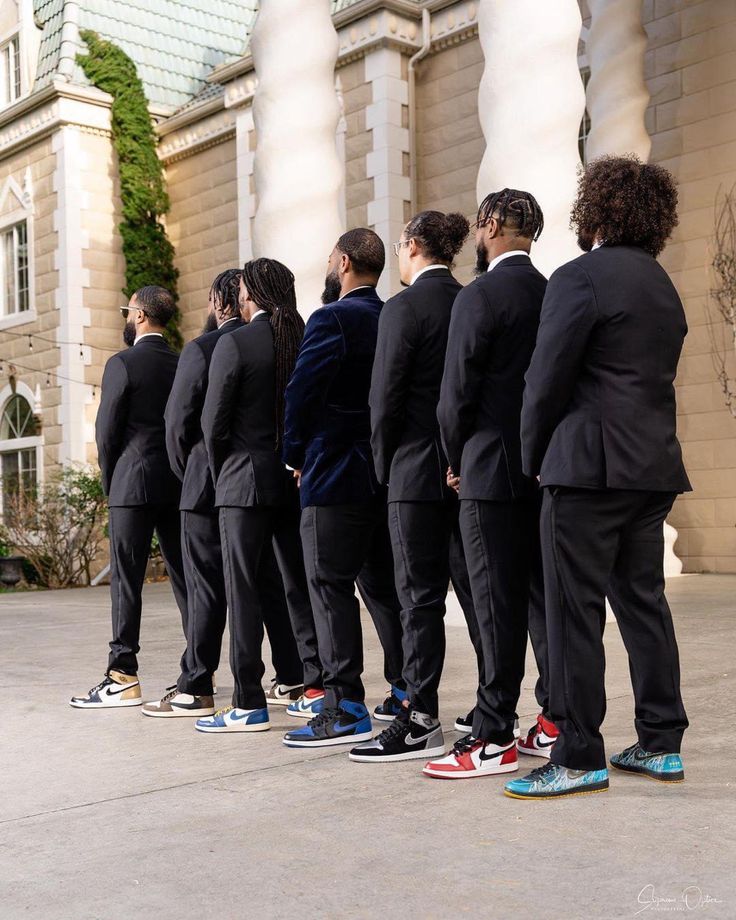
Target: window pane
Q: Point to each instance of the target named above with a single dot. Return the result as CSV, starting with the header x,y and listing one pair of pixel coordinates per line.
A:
x,y
5,72
22,260
10,466
17,420
15,54
28,470
8,256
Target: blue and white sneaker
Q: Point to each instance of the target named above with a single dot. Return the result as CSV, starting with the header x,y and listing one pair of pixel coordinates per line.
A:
x,y
553,781
391,706
346,724
235,720
308,705
667,768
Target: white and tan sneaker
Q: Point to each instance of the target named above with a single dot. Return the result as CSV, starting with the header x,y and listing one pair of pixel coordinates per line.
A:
x,y
175,703
283,694
115,690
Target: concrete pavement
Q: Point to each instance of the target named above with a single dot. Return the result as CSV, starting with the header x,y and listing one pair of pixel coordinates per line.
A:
x,y
108,814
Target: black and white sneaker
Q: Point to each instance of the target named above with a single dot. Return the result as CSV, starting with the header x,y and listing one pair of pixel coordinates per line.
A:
x,y
114,690
464,724
283,694
411,736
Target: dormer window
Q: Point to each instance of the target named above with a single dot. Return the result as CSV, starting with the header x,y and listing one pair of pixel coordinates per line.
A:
x,y
10,71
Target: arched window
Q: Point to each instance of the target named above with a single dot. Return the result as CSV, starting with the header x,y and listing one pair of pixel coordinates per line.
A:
x,y
20,447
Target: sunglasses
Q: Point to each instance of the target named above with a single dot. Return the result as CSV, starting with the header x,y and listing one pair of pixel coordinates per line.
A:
x,y
126,311
397,246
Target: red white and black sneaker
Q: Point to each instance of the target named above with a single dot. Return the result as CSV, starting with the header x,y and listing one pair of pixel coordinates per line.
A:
x,y
540,738
473,757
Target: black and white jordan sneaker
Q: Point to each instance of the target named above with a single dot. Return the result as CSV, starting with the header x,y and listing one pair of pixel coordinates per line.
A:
x,y
464,724
113,691
411,736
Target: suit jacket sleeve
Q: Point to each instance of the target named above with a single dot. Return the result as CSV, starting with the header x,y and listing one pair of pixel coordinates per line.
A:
x,y
569,313
112,417
224,377
320,356
184,407
390,381
469,341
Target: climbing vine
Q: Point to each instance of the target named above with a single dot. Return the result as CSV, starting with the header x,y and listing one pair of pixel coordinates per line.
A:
x,y
149,255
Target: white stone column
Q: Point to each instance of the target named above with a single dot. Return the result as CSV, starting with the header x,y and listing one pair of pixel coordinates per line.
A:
x,y
617,94
296,112
244,158
530,104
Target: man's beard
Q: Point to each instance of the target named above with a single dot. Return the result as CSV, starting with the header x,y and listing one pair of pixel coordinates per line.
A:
x,y
129,333
481,259
585,240
210,324
332,289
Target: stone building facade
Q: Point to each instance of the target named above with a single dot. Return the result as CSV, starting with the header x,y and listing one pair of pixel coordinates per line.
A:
x,y
409,137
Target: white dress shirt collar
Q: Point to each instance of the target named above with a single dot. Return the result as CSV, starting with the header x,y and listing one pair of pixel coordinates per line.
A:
x,y
147,335
257,313
357,288
428,268
507,255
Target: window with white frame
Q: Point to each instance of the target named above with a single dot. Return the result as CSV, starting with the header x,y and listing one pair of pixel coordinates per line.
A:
x,y
19,445
14,269
10,83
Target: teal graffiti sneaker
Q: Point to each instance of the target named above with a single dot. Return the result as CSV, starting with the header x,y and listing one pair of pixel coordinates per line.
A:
x,y
553,781
667,768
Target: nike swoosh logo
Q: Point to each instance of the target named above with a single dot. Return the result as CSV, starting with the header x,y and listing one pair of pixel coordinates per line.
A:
x,y
642,757
110,692
546,743
411,740
236,718
338,727
484,756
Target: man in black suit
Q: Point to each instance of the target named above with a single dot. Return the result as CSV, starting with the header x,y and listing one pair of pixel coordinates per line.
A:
x,y
405,389
491,339
242,426
201,548
142,492
344,529
599,428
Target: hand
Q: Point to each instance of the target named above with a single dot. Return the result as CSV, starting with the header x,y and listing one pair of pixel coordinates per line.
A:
x,y
298,476
453,481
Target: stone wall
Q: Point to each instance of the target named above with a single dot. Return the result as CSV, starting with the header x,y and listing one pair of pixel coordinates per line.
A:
x,y
358,143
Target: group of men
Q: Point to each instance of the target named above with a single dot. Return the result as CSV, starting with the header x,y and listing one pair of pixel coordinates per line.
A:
x,y
399,447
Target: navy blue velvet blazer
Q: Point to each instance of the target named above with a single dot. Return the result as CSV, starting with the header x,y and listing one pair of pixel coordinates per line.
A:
x,y
327,430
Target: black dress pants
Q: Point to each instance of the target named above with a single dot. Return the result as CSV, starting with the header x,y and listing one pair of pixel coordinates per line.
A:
x,y
345,545
131,530
499,537
207,607
427,554
247,533
594,543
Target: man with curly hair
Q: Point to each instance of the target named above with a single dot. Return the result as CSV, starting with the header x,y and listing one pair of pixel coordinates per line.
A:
x,y
599,429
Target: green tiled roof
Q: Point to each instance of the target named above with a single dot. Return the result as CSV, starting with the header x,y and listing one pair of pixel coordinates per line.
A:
x,y
175,43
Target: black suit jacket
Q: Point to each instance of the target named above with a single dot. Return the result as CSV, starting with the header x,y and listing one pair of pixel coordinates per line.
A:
x,y
492,335
130,430
239,420
328,425
184,439
405,388
599,408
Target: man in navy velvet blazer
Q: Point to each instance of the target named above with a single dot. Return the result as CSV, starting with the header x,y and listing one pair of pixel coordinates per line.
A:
x,y
344,531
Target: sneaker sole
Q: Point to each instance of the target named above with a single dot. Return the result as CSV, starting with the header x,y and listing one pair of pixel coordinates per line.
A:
x,y
678,777
121,705
179,713
284,702
302,715
257,727
330,742
533,752
475,774
590,790
382,718
409,755
466,729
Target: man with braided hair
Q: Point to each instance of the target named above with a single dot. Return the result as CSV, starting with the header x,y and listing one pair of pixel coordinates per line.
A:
x,y
207,603
491,340
242,425
344,527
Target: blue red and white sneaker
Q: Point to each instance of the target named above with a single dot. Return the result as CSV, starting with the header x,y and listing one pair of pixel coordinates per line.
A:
x,y
471,757
308,705
667,768
347,723
539,739
391,706
553,781
231,719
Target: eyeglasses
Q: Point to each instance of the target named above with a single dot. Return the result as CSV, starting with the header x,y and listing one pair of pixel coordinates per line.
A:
x,y
397,246
126,311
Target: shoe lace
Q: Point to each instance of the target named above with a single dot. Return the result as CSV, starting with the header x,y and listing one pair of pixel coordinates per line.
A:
x,y
105,680
322,718
397,729
171,692
221,712
544,772
464,745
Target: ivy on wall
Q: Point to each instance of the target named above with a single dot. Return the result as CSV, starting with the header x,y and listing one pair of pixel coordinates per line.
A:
x,y
149,255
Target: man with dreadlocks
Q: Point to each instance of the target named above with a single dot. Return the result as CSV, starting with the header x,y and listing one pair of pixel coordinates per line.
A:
x,y
491,340
344,526
242,425
207,603
599,426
